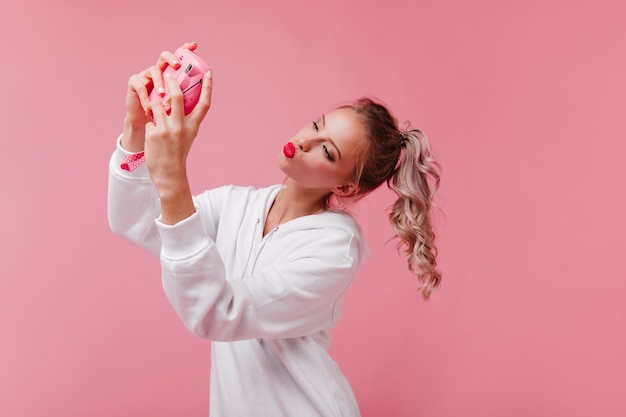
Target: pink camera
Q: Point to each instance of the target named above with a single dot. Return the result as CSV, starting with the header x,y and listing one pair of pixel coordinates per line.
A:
x,y
189,76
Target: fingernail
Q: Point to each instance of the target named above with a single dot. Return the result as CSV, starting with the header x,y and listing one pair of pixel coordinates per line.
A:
x,y
209,74
167,75
161,91
175,62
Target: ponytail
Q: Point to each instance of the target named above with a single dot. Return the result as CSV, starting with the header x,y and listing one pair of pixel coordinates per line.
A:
x,y
415,181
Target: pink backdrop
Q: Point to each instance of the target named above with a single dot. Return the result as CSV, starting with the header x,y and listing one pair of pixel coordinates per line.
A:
x,y
524,103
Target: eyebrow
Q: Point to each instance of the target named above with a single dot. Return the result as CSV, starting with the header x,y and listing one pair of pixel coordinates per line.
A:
x,y
329,139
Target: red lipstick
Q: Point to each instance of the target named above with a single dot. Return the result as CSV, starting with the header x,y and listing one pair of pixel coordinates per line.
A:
x,y
289,150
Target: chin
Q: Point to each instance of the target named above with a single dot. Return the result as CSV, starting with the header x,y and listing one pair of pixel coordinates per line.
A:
x,y
281,162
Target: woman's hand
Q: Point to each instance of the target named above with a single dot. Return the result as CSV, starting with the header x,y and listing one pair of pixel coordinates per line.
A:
x,y
138,102
167,143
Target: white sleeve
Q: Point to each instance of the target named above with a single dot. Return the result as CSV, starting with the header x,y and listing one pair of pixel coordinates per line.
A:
x,y
300,294
133,204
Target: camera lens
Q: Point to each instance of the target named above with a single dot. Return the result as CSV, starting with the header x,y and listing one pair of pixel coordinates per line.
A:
x,y
188,69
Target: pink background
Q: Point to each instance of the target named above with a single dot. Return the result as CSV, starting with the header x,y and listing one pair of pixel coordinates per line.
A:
x,y
524,103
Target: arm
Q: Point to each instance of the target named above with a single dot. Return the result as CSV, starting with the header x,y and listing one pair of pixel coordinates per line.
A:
x,y
168,142
133,199
298,294
133,204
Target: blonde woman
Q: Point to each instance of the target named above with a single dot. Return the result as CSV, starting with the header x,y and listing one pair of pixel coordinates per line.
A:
x,y
262,272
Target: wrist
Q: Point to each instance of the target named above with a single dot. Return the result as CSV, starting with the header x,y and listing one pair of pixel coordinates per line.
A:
x,y
133,136
170,186
176,202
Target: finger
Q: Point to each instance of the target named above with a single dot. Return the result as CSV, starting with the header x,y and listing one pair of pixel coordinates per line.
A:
x,y
190,45
137,83
159,116
167,58
204,103
156,76
177,101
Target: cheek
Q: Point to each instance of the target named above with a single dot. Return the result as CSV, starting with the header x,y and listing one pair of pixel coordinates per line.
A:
x,y
330,174
317,173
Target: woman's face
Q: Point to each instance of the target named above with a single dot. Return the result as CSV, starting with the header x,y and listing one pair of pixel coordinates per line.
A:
x,y
323,154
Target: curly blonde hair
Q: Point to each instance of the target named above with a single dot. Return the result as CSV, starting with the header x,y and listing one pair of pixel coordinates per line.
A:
x,y
404,160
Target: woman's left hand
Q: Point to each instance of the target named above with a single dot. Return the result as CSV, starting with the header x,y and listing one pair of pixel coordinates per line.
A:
x,y
168,141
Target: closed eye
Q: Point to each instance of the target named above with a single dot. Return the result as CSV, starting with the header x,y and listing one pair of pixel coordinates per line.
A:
x,y
316,126
327,153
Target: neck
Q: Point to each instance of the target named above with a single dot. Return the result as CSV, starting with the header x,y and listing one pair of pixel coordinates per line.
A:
x,y
293,202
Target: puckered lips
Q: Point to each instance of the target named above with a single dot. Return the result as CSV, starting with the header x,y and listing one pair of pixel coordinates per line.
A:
x,y
289,150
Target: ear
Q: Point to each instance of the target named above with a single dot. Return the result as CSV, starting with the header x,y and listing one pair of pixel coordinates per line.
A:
x,y
346,190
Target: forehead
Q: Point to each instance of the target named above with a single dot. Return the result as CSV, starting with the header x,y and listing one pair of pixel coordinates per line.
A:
x,y
346,129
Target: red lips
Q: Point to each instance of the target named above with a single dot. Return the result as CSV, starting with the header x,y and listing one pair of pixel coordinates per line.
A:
x,y
289,150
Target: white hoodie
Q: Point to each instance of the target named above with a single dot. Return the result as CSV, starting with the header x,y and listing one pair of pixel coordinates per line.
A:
x,y
266,303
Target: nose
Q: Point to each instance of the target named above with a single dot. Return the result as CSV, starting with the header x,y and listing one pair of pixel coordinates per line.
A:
x,y
304,144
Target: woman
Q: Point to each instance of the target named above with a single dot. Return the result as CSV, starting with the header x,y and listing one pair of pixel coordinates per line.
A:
x,y
262,272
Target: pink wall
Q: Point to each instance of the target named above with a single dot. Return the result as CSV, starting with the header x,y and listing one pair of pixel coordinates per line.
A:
x,y
524,103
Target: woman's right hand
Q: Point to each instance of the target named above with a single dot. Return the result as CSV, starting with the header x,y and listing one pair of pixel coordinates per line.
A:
x,y
138,101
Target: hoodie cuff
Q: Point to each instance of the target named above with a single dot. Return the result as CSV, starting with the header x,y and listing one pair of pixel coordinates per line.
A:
x,y
184,239
118,158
